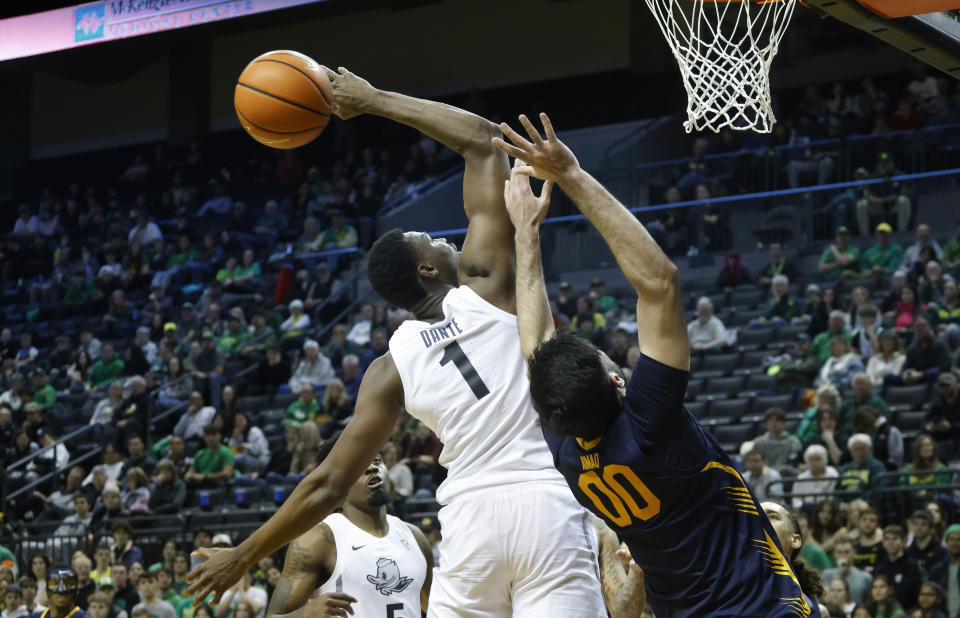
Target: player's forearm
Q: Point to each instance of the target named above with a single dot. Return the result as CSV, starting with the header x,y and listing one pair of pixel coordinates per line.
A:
x,y
312,500
642,261
457,129
624,594
534,318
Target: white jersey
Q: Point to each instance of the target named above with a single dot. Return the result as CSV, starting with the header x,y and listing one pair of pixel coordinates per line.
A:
x,y
384,574
466,378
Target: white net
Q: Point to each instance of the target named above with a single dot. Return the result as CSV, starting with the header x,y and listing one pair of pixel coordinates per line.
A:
x,y
724,49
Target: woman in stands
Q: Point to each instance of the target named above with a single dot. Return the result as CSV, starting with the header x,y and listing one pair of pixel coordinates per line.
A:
x,y
827,397
858,298
178,384
79,370
733,273
842,365
249,445
336,407
825,524
889,360
829,436
305,455
882,603
907,309
925,457
167,496
932,601
39,565
136,496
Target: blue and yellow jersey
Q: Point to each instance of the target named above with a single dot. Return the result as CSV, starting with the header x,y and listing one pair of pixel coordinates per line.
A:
x,y
666,487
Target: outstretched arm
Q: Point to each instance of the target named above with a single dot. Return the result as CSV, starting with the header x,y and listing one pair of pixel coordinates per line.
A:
x,y
661,331
486,259
378,405
527,211
427,552
620,577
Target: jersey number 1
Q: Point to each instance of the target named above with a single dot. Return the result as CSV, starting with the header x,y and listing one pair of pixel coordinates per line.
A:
x,y
454,352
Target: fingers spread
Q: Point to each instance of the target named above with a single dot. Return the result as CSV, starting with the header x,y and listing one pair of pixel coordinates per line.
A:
x,y
331,74
545,191
343,597
531,131
547,126
514,137
509,149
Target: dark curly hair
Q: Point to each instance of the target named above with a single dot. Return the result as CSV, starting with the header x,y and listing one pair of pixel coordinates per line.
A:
x,y
571,388
810,582
392,270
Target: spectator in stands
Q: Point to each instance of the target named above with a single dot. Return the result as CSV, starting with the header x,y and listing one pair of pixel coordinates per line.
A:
x,y
138,457
926,357
125,594
145,231
951,251
811,160
706,332
781,308
865,336
314,368
379,345
337,407
44,395
863,395
33,423
868,548
901,570
133,416
340,346
882,601
889,360
884,257
733,273
401,478
943,418
181,566
165,584
906,117
245,275
124,551
27,352
178,384
8,431
817,479
98,605
151,601
927,551
271,223
862,475
930,284
761,478
110,508
822,345
249,445
914,252
842,365
102,557
887,439
780,449
29,587
924,458
208,367
886,199
90,345
931,601
907,309
305,453
211,465
79,522
840,257
85,586
273,371
169,492
178,455
778,266
297,323
195,418
13,602
945,314
136,494
12,396
281,458
244,593
105,370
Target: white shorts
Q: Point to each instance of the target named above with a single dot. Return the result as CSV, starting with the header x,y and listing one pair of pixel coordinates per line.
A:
x,y
528,551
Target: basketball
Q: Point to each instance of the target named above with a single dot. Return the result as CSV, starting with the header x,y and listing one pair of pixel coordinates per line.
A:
x,y
283,99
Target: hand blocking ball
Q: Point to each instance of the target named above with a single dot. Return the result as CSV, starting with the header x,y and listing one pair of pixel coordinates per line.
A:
x,y
283,99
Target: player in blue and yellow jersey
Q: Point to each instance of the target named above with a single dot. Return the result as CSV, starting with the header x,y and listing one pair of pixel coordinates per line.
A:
x,y
632,453
62,587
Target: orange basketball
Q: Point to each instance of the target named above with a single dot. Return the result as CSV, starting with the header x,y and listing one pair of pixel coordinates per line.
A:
x,y
283,99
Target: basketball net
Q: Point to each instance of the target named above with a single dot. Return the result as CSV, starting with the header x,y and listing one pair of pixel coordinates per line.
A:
x,y
724,49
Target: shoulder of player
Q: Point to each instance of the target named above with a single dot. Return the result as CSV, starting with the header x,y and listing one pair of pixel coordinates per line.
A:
x,y
382,377
422,541
311,550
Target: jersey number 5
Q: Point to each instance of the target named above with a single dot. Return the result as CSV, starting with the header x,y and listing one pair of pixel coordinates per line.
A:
x,y
454,352
620,503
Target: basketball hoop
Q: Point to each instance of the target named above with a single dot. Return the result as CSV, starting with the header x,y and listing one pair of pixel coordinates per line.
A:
x,y
724,49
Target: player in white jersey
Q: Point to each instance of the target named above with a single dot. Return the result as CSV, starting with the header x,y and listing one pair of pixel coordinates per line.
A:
x,y
361,560
515,542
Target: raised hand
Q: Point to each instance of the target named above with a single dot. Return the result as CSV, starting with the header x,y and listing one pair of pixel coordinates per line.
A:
x,y
218,573
547,159
351,94
526,210
329,604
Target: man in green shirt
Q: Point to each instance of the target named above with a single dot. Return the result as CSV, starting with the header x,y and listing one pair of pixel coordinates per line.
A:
x,y
211,465
821,343
305,407
184,254
165,585
884,257
234,336
80,291
43,394
105,370
863,395
862,475
340,234
840,257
